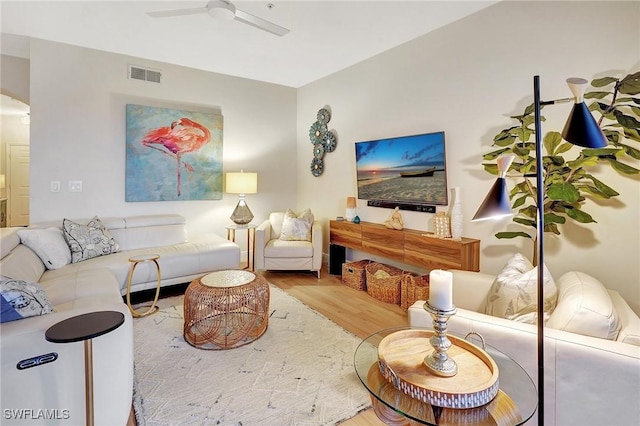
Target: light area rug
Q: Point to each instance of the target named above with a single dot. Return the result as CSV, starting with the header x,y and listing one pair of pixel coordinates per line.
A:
x,y
300,372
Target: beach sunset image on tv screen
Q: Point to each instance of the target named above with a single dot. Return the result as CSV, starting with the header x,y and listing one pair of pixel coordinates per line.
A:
x,y
406,169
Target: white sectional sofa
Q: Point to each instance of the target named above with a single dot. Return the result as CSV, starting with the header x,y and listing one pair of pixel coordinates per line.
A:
x,y
53,393
588,380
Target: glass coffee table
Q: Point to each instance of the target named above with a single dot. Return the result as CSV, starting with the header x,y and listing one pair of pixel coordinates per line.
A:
x,y
515,403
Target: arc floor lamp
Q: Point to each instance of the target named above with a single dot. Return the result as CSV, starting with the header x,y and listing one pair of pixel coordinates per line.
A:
x,y
581,129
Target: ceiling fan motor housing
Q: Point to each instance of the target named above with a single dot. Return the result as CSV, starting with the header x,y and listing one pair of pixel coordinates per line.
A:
x,y
221,9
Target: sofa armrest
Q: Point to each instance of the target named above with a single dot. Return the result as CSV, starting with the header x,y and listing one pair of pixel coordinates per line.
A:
x,y
262,237
316,241
470,289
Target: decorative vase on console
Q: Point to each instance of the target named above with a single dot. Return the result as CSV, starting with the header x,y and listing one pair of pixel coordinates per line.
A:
x,y
455,216
350,214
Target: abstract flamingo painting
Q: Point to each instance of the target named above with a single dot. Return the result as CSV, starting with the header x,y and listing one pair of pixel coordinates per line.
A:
x,y
173,154
182,136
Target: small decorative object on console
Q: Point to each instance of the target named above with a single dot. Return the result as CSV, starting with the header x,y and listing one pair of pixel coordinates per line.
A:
x,y
456,214
350,214
441,225
395,220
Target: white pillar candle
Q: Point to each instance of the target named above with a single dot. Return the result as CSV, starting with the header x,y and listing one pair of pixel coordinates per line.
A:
x,y
441,289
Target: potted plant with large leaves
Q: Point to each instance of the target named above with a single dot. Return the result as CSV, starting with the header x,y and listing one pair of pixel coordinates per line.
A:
x,y
568,183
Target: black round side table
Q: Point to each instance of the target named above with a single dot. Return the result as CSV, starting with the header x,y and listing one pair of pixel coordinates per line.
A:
x,y
84,328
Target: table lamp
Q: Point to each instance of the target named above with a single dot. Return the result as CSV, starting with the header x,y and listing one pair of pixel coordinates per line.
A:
x,y
241,183
581,129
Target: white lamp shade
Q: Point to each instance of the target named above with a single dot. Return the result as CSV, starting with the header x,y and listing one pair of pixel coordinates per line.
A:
x,y
241,183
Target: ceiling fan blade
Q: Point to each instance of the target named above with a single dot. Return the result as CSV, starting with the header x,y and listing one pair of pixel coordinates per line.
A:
x,y
177,12
270,27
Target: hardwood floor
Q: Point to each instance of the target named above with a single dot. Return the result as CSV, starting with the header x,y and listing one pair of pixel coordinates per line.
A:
x,y
353,310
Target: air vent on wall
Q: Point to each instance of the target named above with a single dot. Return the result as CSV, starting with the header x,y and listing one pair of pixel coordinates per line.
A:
x,y
145,74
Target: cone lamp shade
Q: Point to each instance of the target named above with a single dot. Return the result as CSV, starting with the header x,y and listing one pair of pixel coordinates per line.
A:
x,y
241,183
497,203
581,128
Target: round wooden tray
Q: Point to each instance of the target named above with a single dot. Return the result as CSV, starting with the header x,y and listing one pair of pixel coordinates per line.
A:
x,y
501,411
401,354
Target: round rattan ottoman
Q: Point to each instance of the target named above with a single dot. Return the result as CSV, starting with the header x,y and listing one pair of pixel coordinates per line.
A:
x,y
226,309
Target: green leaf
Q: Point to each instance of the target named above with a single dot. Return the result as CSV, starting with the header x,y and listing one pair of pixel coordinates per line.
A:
x,y
583,162
523,133
596,95
564,192
564,147
506,141
635,110
602,187
604,81
503,235
551,227
600,152
526,222
632,134
553,218
519,202
627,120
630,85
495,154
579,216
623,168
491,168
551,141
631,151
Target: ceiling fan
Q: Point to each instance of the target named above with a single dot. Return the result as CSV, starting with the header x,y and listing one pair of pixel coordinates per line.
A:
x,y
225,9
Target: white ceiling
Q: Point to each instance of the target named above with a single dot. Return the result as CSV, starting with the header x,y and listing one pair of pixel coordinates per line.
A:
x,y
325,37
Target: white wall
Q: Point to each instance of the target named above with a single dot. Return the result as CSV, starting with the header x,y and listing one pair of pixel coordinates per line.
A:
x,y
78,99
466,79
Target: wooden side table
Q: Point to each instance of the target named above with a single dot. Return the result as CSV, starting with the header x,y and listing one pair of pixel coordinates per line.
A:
x,y
84,328
135,261
251,240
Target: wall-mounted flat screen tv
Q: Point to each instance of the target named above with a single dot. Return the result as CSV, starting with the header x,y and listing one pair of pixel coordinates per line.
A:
x,y
406,170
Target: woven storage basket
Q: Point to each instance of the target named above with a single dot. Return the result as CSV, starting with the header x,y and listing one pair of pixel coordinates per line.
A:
x,y
353,274
385,289
413,288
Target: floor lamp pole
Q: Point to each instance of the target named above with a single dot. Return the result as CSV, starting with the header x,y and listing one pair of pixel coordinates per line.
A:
x,y
539,246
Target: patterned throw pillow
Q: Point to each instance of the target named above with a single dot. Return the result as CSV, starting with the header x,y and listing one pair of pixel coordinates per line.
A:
x,y
49,244
297,227
514,293
88,241
22,299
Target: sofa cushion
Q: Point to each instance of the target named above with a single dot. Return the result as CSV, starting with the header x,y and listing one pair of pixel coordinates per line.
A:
x,y
514,293
297,227
49,244
88,241
288,249
22,299
78,284
584,307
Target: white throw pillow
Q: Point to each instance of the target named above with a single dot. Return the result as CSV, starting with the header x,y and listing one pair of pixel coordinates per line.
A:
x,y
88,241
514,293
48,244
584,307
297,227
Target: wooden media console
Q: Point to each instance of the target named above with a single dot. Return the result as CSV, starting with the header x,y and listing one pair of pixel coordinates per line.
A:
x,y
409,246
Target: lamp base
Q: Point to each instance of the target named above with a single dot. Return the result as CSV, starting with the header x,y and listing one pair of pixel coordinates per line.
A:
x,y
241,215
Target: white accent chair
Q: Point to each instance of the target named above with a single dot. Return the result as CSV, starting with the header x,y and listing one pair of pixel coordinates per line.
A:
x,y
271,253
